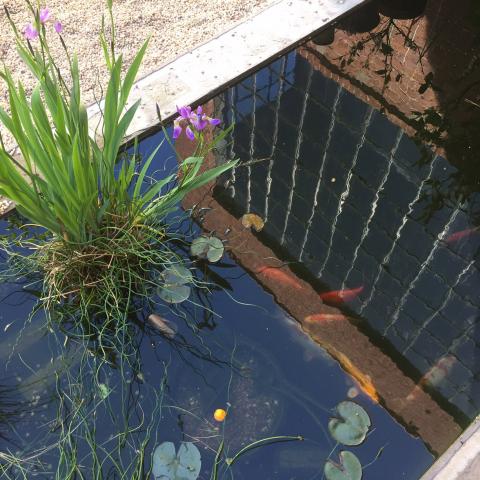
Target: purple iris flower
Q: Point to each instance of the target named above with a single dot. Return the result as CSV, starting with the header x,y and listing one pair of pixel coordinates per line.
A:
x,y
183,118
198,121
188,119
44,15
214,121
30,32
58,27
184,112
177,129
189,133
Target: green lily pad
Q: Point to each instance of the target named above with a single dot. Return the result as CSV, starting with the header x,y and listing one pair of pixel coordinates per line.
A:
x,y
352,425
174,293
176,275
169,465
349,468
174,280
210,248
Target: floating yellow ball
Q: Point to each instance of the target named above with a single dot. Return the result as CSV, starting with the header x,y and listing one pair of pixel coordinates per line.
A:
x,y
219,415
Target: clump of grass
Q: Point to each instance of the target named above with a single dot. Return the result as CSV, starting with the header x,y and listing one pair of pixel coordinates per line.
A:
x,y
103,274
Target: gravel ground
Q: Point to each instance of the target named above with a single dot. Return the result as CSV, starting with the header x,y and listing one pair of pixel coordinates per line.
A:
x,y
175,26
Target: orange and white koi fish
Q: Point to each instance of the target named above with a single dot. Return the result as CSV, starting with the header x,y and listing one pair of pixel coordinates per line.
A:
x,y
278,275
457,236
169,329
435,375
325,317
340,296
439,371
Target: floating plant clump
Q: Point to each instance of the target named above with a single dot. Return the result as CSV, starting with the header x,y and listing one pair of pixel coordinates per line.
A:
x,y
105,224
99,238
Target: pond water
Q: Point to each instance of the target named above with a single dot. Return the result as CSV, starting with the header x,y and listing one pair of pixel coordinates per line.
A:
x,y
353,203
252,355
341,194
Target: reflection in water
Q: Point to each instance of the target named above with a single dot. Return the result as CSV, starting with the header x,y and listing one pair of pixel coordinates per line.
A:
x,y
346,197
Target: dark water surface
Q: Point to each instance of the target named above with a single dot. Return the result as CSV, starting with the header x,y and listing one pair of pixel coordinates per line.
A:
x,y
353,202
251,356
284,384
344,197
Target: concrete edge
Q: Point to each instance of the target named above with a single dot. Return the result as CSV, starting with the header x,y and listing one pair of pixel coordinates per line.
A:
x,y
199,74
461,460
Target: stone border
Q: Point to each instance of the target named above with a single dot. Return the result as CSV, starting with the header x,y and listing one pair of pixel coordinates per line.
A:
x,y
198,75
462,460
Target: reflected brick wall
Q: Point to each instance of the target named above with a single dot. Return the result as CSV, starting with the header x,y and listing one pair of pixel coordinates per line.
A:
x,y
443,42
341,191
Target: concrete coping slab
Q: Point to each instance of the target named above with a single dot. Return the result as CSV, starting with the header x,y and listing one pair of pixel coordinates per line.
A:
x,y
198,75
462,460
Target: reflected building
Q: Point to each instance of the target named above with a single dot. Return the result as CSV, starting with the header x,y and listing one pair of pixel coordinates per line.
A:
x,y
347,197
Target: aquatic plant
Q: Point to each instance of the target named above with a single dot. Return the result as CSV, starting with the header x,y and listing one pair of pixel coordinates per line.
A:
x,y
186,464
349,468
106,225
170,465
207,247
100,241
349,427
352,424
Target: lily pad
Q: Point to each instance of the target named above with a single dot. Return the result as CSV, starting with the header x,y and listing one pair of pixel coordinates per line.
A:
x,y
174,280
176,275
349,468
352,424
253,220
174,293
210,248
169,465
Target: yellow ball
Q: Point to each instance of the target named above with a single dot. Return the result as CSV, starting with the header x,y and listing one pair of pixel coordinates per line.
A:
x,y
219,415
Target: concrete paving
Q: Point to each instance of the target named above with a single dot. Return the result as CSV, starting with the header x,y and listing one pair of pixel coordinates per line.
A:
x,y
462,460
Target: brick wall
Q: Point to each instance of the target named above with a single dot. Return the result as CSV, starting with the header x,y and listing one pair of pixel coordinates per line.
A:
x,y
442,43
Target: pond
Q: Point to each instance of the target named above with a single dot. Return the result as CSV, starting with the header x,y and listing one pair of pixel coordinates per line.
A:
x,y
252,356
342,196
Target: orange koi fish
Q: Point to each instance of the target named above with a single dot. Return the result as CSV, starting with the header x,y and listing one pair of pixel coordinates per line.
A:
x,y
439,371
457,236
325,317
339,296
280,276
435,375
363,380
